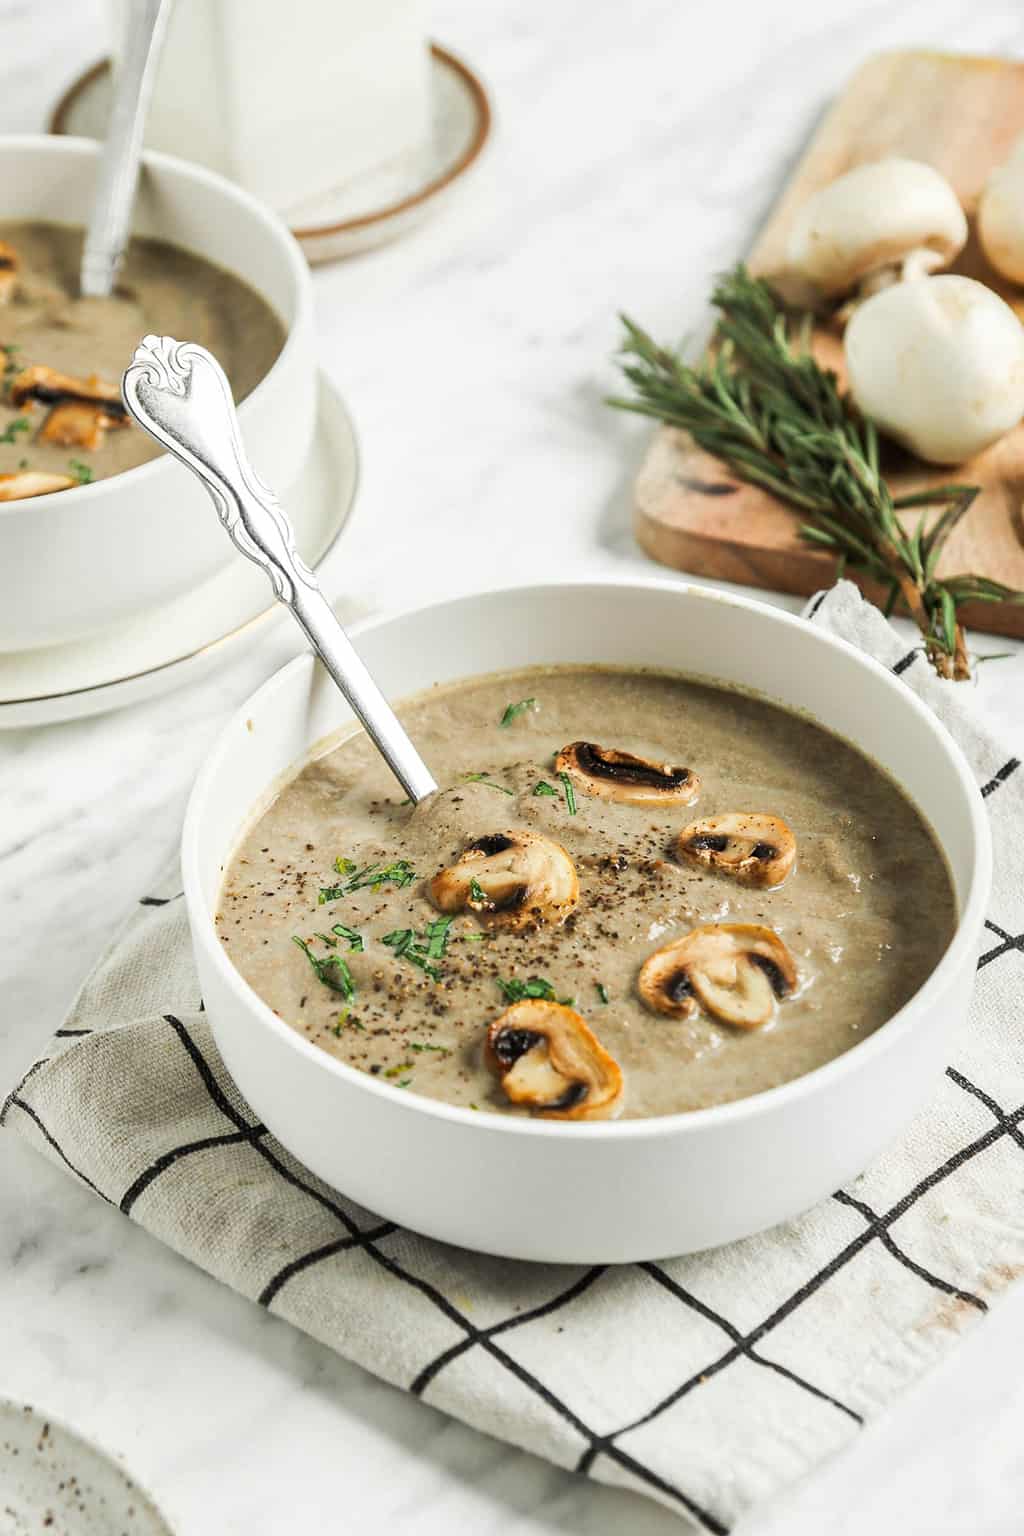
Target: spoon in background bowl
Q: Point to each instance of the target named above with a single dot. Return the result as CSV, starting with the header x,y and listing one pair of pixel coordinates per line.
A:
x,y
114,198
177,392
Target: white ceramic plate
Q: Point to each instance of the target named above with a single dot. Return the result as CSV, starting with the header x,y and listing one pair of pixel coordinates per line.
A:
x,y
52,1481
181,640
371,209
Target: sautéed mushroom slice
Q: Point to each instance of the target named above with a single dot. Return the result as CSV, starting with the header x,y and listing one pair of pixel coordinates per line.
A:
x,y
737,971
509,879
550,1061
755,849
32,482
8,271
622,776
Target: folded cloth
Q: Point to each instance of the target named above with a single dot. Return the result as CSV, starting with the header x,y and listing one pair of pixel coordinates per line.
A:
x,y
707,1382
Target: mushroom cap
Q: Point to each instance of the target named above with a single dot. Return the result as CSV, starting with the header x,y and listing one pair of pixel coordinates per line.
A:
x,y
748,846
509,879
622,776
737,971
872,217
938,365
1001,216
550,1060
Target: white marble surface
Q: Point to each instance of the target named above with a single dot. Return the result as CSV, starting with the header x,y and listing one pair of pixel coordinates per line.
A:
x,y
636,148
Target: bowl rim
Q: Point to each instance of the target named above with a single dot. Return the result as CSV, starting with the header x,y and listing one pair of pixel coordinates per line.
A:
x,y
913,1013
301,280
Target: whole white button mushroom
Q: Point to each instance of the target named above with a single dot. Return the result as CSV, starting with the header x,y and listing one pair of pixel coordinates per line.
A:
x,y
1001,216
938,365
881,221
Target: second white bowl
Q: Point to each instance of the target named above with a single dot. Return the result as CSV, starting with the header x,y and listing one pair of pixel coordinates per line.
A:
x,y
79,560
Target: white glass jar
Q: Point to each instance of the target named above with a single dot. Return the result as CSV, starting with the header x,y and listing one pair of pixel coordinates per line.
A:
x,y
293,101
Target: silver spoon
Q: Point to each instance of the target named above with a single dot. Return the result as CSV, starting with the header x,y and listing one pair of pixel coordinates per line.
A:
x,y
178,392
117,179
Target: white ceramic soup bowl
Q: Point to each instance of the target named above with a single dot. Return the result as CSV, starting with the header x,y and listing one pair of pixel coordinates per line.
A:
x,y
600,1191
78,560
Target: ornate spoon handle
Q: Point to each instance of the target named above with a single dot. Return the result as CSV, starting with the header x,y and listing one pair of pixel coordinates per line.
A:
x,y
114,198
178,392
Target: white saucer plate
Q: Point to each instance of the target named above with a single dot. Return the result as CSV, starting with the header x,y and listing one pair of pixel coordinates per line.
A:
x,y
55,1483
182,640
368,210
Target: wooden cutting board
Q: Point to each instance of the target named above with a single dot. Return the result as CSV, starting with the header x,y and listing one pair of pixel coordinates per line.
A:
x,y
962,115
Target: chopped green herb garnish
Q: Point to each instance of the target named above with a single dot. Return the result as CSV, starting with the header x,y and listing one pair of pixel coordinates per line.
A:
x,y
569,792
542,787
23,463
400,873
403,1066
405,1081
474,1106
10,432
82,472
407,947
481,778
445,1050
478,894
355,940
437,937
332,970
399,940
512,710
602,991
345,1019
514,990
420,951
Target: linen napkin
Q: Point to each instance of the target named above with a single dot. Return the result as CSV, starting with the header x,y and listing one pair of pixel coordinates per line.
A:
x,y
707,1382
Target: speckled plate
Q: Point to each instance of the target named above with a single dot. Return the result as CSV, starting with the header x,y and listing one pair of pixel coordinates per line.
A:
x,y
54,1482
367,210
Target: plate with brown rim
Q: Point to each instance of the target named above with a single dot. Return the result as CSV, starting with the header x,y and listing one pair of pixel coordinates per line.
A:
x,y
368,210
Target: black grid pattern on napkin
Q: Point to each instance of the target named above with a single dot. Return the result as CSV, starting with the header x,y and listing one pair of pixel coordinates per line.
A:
x,y
741,1344
748,1345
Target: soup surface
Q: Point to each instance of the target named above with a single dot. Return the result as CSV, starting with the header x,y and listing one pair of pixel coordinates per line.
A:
x,y
866,912
51,339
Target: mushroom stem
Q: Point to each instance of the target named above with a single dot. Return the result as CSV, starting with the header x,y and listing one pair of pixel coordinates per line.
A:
x,y
914,267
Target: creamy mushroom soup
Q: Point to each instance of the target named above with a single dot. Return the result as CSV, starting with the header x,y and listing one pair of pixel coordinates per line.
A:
x,y
634,894
62,422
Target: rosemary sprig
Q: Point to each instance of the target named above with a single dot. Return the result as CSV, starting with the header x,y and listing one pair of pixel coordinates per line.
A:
x,y
767,409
